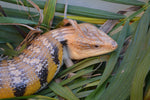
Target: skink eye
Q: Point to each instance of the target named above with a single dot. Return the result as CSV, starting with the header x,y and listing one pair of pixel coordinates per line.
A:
x,y
96,46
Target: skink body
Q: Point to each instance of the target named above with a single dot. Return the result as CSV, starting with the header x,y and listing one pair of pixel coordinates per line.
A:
x,y
36,66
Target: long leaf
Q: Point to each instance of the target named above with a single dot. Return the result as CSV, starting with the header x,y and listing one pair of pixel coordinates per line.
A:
x,y
62,91
88,12
143,66
17,13
128,2
49,11
82,83
15,20
78,74
76,10
10,34
138,81
83,64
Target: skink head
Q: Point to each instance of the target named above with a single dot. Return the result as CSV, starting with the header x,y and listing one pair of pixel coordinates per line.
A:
x,y
89,41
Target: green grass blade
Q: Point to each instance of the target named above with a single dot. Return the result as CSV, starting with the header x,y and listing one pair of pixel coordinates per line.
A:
x,y
62,91
83,64
128,2
15,20
76,10
88,12
143,66
49,11
83,94
84,82
78,74
139,78
16,13
9,34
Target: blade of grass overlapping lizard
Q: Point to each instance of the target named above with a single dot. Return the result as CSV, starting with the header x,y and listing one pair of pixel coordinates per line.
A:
x,y
123,79
76,10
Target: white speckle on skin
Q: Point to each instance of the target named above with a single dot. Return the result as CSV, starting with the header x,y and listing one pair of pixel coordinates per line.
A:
x,y
39,67
48,45
24,60
11,64
12,68
21,56
17,80
15,72
55,33
27,60
36,49
52,51
30,47
36,61
41,38
45,42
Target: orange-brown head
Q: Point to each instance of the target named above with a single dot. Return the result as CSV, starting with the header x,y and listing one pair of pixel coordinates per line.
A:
x,y
88,41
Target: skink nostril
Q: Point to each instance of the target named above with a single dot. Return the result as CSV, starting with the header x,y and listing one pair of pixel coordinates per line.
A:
x,y
114,45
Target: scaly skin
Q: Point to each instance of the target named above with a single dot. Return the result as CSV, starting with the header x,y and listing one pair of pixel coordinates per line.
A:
x,y
36,66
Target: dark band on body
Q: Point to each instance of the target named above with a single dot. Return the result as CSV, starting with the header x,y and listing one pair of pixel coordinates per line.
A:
x,y
55,55
19,89
43,73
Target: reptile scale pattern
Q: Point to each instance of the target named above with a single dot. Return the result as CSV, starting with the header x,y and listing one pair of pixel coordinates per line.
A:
x,y
33,69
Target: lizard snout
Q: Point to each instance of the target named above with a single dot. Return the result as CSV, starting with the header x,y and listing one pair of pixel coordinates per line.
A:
x,y
114,45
